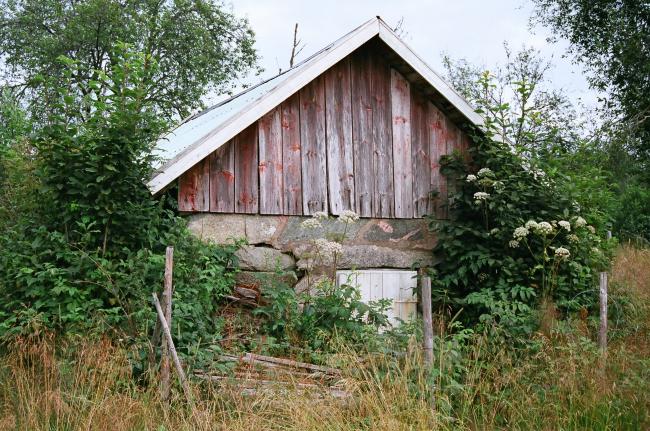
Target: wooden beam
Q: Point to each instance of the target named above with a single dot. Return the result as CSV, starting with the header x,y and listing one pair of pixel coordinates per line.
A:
x,y
291,156
270,163
401,124
246,171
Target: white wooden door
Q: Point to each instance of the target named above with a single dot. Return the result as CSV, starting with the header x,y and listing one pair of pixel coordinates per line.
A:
x,y
374,284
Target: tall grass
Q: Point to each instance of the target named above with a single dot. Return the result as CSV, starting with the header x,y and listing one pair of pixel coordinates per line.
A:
x,y
563,382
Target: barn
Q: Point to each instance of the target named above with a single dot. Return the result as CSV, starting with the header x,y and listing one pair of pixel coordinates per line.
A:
x,y
360,125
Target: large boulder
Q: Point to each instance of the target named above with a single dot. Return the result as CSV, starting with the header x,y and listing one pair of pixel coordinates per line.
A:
x,y
366,256
264,259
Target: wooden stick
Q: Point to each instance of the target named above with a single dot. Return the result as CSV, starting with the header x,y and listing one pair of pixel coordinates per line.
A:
x,y
252,357
165,375
427,317
602,332
172,350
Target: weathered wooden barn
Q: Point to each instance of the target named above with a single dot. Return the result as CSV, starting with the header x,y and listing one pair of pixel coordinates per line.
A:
x,y
360,125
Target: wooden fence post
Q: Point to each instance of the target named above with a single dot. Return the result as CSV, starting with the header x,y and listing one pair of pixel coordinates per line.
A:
x,y
602,332
172,350
427,317
167,302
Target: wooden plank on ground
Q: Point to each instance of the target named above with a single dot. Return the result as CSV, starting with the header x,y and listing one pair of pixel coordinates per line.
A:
x,y
383,204
338,114
362,131
437,149
246,175
194,188
222,179
401,123
420,155
313,144
291,160
270,163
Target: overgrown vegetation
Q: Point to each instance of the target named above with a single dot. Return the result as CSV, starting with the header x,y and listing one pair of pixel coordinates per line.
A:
x,y
559,382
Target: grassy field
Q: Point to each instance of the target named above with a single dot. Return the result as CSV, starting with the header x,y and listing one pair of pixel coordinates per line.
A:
x,y
563,383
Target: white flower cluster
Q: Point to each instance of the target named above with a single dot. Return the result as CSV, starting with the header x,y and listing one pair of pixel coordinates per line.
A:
x,y
326,247
580,222
481,196
485,172
494,231
544,228
520,233
513,244
565,225
320,215
573,238
591,229
562,253
311,223
348,217
471,178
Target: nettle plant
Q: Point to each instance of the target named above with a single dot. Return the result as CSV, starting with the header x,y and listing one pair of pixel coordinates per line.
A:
x,y
514,239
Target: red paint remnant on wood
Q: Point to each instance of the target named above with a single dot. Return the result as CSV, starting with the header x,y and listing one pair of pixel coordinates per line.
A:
x,y
222,179
246,175
194,188
291,156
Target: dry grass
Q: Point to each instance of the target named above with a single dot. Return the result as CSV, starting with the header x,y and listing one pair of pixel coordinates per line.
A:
x,y
564,384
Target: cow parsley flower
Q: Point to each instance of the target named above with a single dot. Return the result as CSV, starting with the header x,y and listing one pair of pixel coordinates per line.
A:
x,y
580,222
484,172
562,253
320,215
573,238
471,178
481,196
565,225
544,228
311,223
591,229
520,233
513,244
348,217
494,231
330,248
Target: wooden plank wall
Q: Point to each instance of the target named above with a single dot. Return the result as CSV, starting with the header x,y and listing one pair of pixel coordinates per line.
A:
x,y
359,137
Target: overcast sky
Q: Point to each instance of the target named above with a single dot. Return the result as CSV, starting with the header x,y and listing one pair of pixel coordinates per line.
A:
x,y
471,29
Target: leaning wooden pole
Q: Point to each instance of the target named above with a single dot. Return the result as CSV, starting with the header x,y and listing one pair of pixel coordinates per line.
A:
x,y
602,331
172,349
427,317
165,375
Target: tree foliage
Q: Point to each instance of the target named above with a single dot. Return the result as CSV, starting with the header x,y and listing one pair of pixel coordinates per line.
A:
x,y
612,38
198,45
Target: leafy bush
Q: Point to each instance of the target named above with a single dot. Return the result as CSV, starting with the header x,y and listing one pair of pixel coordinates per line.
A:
x,y
92,250
515,237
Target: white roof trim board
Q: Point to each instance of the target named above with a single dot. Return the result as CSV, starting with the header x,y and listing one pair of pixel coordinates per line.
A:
x,y
202,134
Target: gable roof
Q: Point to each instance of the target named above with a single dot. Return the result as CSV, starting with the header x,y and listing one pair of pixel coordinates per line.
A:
x,y
201,134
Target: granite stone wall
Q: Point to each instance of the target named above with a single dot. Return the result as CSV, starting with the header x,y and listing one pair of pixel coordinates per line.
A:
x,y
280,242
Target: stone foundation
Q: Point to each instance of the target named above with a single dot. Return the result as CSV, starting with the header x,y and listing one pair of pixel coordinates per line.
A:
x,y
279,242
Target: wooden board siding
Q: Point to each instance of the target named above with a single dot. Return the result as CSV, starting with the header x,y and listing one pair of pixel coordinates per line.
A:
x,y
383,198
313,145
270,163
291,160
194,188
222,179
338,121
246,171
362,132
362,136
402,165
437,149
420,156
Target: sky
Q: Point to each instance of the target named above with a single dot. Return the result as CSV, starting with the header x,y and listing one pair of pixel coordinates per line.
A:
x,y
470,29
